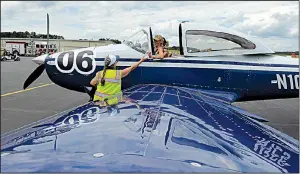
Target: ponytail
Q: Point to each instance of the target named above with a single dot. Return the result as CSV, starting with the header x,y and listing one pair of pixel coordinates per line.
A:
x,y
102,79
107,62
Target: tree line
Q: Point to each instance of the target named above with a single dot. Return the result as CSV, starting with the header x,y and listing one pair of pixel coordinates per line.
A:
x,y
174,48
287,52
27,34
113,40
116,41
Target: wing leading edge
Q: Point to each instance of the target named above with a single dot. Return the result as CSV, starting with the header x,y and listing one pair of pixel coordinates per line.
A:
x,y
157,129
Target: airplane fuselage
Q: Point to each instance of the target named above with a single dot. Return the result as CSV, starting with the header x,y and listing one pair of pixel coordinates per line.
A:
x,y
236,63
249,77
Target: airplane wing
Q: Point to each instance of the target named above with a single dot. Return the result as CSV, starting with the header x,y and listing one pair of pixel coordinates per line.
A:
x,y
155,129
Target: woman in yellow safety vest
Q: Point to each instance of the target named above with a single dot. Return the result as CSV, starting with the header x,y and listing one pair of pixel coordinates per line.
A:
x,y
108,81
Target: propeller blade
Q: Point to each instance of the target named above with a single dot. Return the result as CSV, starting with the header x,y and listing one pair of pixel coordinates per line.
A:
x,y
39,60
47,52
34,75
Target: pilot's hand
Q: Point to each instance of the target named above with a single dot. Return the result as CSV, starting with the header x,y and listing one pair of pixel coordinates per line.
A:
x,y
144,58
149,54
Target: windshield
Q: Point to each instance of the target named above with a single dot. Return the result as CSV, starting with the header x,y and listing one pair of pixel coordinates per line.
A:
x,y
138,41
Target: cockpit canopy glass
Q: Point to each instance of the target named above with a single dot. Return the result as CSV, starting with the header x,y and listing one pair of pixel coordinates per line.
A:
x,y
138,41
205,41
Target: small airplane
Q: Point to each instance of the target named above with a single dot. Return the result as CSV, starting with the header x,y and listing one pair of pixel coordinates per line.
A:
x,y
177,116
237,63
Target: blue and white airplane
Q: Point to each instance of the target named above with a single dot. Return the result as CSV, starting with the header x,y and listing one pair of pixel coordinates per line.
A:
x,y
237,64
177,114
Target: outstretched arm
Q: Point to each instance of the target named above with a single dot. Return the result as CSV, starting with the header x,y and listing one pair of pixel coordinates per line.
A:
x,y
126,71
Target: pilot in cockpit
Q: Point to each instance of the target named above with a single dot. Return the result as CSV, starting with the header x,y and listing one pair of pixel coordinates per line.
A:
x,y
160,48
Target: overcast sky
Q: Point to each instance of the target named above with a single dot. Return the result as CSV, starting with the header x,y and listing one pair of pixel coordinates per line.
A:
x,y
275,23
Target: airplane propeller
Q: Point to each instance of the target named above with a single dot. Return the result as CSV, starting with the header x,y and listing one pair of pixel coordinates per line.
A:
x,y
34,75
39,60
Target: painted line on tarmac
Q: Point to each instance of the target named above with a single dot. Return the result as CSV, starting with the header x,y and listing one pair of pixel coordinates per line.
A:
x,y
28,89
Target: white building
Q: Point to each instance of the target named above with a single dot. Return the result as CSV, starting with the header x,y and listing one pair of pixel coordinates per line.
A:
x,y
58,44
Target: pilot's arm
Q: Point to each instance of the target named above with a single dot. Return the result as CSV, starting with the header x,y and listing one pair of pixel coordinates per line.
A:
x,y
160,54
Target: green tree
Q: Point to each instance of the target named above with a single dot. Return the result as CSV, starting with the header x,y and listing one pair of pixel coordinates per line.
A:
x,y
14,34
27,34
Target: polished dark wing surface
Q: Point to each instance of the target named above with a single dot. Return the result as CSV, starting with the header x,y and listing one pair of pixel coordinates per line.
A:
x,y
155,129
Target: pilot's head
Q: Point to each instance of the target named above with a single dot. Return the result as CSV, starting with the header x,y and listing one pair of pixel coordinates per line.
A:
x,y
158,39
111,61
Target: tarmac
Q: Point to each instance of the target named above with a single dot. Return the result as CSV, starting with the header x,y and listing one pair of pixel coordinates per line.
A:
x,y
43,99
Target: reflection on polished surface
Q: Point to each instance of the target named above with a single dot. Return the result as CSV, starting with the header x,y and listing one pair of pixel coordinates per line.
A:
x,y
153,129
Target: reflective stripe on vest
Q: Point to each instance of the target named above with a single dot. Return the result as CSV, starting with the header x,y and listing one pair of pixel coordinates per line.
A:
x,y
100,94
109,99
108,96
116,80
112,85
112,80
118,75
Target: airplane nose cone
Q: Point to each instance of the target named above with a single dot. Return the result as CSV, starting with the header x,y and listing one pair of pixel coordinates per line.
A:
x,y
40,59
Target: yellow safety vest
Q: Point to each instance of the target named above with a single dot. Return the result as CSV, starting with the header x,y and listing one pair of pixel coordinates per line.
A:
x,y
111,90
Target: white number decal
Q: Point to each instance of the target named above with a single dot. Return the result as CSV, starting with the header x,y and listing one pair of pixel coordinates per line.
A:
x,y
65,57
282,81
296,78
291,81
84,63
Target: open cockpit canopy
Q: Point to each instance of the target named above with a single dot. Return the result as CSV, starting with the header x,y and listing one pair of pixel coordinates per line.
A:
x,y
209,40
221,39
139,41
